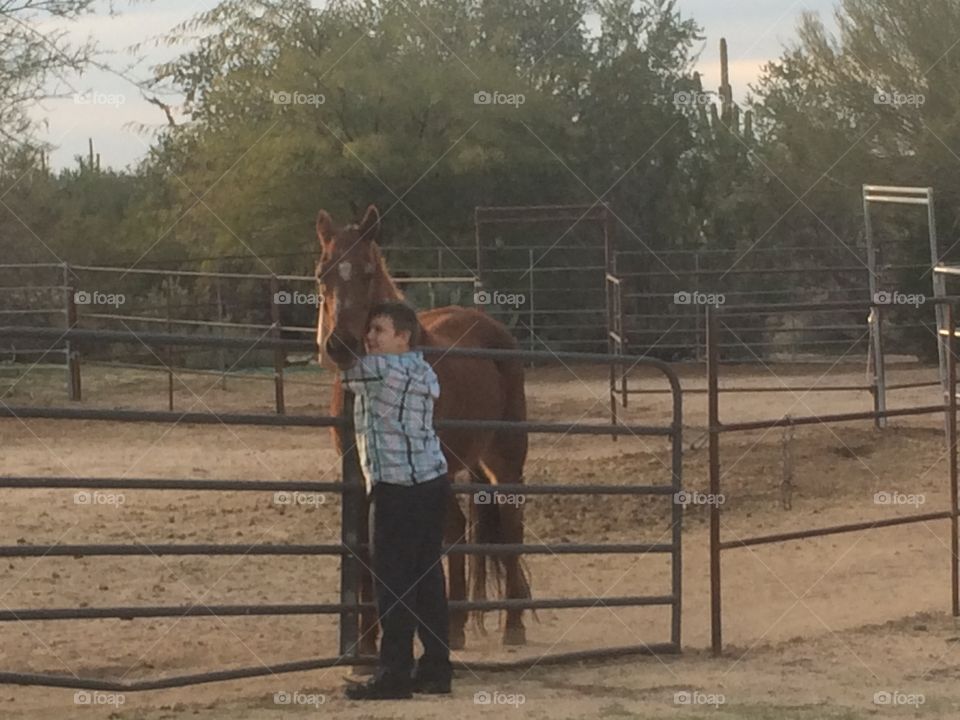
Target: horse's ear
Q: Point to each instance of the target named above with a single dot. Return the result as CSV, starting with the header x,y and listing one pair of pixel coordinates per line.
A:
x,y
324,227
355,210
370,225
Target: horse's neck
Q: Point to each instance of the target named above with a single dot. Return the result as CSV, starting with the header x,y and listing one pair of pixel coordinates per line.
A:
x,y
387,291
386,288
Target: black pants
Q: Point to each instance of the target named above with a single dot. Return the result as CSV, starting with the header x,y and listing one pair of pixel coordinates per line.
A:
x,y
406,539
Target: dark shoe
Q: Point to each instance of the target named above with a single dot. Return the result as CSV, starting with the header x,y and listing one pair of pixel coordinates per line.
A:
x,y
430,681
432,686
381,687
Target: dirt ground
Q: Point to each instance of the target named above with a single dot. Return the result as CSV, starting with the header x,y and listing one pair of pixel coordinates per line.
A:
x,y
844,626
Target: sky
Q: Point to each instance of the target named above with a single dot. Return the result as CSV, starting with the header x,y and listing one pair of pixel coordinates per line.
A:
x,y
108,107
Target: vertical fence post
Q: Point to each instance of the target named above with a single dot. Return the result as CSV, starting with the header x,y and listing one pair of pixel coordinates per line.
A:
x,y
614,347
221,361
351,506
478,280
951,358
699,329
879,366
70,348
676,440
279,355
533,316
169,353
624,343
713,421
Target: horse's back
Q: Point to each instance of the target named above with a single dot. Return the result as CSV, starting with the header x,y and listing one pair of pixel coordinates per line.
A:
x,y
473,388
455,326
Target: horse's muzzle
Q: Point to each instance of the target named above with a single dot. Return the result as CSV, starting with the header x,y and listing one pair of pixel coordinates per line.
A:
x,y
342,349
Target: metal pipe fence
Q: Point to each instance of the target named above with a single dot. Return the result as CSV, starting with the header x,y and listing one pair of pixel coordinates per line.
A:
x,y
717,429
351,547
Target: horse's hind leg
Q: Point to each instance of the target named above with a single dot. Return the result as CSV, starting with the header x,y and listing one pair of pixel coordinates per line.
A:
x,y
511,521
502,471
455,527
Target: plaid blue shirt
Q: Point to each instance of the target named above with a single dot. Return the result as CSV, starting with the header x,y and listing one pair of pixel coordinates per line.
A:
x,y
393,417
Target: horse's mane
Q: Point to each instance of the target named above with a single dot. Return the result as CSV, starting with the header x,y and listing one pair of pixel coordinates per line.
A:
x,y
387,289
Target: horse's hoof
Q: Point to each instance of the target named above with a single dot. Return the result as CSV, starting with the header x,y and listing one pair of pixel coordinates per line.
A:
x,y
515,636
458,640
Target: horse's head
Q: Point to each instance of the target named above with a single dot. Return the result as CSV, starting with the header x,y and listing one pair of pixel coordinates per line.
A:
x,y
349,283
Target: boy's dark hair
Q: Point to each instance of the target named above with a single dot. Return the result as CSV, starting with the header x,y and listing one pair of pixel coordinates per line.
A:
x,y
403,316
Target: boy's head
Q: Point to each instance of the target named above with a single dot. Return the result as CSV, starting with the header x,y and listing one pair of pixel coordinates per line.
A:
x,y
392,327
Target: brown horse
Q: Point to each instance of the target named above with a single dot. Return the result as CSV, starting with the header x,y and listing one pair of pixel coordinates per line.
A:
x,y
352,277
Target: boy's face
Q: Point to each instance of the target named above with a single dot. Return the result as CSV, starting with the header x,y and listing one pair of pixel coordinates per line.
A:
x,y
384,339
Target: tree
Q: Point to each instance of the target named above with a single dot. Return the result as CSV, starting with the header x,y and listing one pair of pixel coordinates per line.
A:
x,y
30,58
877,103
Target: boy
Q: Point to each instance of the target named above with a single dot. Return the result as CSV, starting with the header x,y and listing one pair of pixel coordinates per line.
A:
x,y
406,476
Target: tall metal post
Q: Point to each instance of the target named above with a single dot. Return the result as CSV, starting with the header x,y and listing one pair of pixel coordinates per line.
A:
x,y
713,420
698,330
677,514
873,278
939,288
71,349
279,355
951,346
221,360
169,353
478,281
532,313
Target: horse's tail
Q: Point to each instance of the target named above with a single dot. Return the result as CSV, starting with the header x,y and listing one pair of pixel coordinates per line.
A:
x,y
488,571
484,530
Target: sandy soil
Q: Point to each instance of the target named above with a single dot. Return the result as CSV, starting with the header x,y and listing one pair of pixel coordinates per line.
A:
x,y
813,629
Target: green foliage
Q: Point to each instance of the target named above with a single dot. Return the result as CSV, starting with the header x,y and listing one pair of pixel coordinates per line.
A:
x,y
398,125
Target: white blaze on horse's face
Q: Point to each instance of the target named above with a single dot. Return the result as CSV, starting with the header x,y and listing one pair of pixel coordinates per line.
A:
x,y
346,270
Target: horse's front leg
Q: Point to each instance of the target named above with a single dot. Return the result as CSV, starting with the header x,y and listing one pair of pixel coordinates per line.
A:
x,y
454,530
368,616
